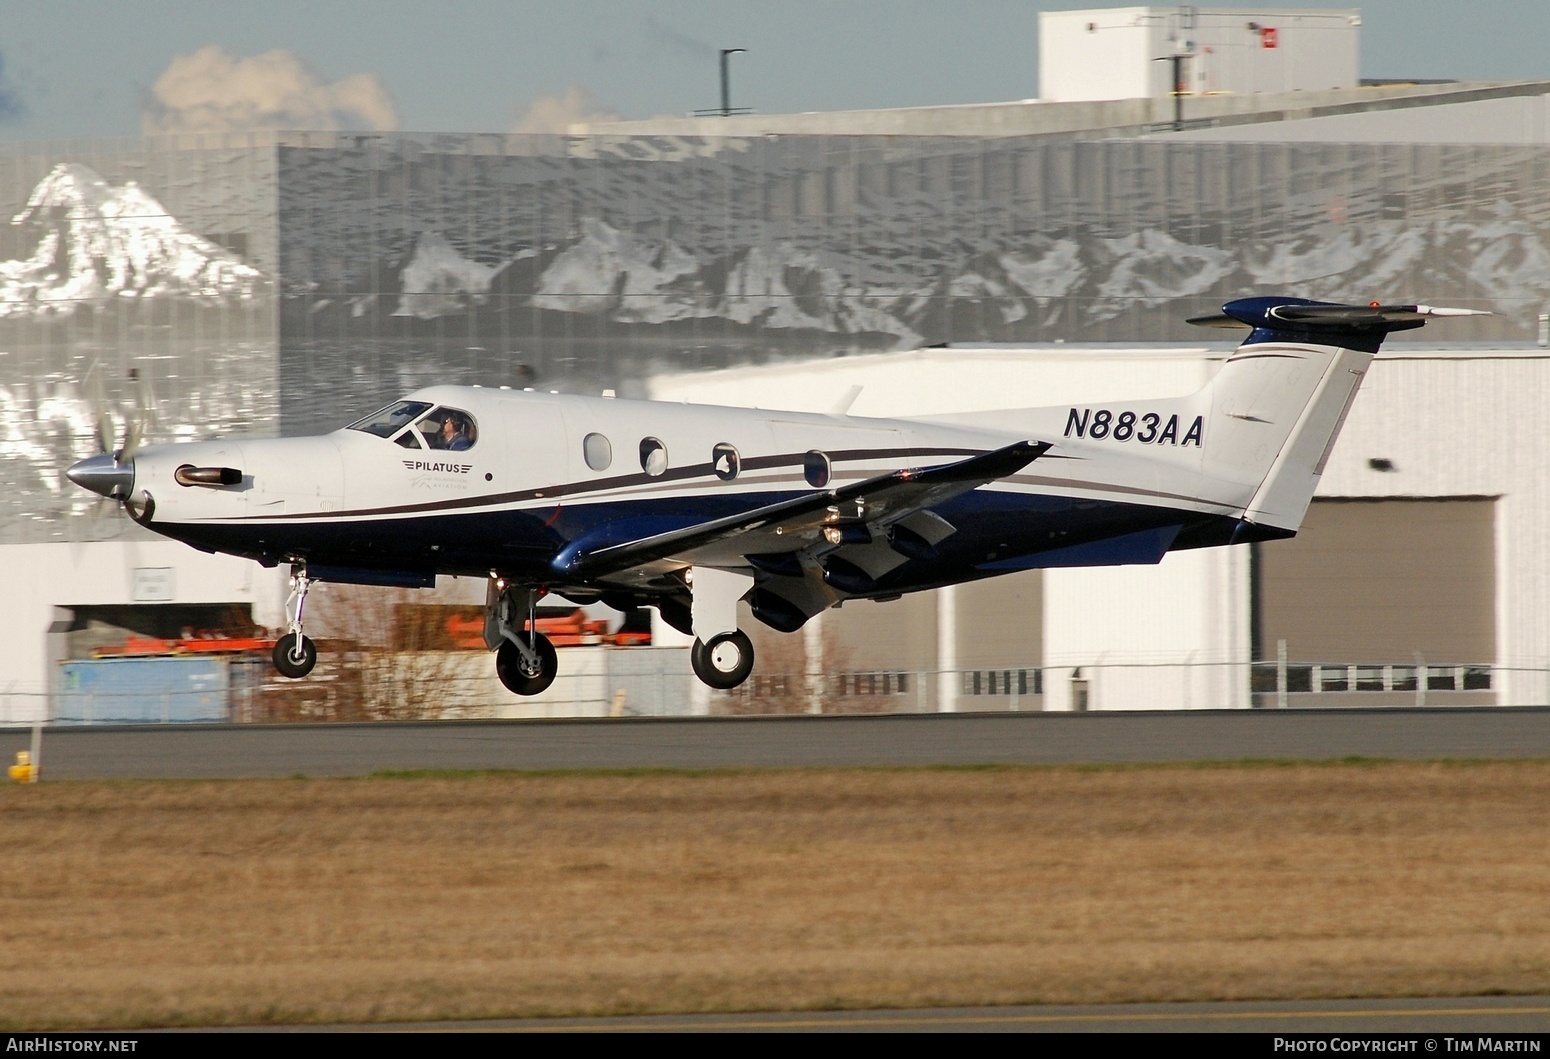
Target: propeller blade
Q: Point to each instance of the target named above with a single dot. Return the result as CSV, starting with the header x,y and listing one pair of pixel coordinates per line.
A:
x,y
145,419
148,403
104,431
132,438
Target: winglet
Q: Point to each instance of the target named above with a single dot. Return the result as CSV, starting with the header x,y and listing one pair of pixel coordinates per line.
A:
x,y
988,466
842,406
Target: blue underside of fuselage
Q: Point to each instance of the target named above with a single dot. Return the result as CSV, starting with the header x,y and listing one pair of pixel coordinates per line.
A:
x,y
997,532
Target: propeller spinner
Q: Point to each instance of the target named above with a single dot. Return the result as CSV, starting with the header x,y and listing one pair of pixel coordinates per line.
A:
x,y
104,474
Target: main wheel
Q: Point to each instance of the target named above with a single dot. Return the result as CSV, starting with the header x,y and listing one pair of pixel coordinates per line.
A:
x,y
295,655
725,662
520,677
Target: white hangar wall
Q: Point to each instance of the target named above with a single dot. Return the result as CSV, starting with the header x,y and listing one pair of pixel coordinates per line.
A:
x,y
1468,424
1125,631
45,581
1451,423
1112,53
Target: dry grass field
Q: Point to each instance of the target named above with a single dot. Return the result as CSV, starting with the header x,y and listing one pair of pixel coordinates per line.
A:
x,y
141,903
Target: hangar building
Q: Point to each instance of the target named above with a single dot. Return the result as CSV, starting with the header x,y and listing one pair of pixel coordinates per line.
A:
x,y
289,282
1419,576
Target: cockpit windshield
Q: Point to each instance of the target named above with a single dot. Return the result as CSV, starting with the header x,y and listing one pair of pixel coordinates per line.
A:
x,y
391,419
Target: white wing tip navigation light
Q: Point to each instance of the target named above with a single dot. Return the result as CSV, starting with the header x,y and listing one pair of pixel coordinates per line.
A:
x,y
792,513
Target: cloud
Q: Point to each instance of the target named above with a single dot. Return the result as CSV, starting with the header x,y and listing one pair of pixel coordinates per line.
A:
x,y
556,114
10,103
212,91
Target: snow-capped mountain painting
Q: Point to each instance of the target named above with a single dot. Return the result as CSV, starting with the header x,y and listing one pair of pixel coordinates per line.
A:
x,y
589,266
291,285
100,278
97,242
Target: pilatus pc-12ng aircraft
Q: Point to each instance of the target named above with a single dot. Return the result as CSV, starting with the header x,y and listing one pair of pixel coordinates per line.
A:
x,y
691,509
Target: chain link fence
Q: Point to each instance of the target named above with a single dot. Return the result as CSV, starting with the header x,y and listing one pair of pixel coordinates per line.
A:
x,y
604,682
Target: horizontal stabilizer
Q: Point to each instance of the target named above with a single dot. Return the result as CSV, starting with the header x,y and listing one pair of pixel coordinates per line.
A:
x,y
1221,320
1301,315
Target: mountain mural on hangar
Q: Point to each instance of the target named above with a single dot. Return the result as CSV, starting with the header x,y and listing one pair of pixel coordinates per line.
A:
x,y
110,306
97,243
1020,282
355,268
595,264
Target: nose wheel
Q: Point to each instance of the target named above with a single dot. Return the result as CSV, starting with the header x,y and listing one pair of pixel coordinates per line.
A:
x,y
524,657
725,662
294,654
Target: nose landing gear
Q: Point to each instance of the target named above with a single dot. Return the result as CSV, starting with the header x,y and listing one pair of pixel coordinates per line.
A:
x,y
294,654
524,660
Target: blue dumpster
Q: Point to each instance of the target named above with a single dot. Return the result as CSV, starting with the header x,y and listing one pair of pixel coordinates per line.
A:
x,y
143,691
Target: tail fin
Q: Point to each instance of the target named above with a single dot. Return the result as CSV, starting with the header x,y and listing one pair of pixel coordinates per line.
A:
x,y
1277,405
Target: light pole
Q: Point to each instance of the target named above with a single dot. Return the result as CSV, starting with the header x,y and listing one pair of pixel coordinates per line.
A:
x,y
1178,59
726,79
726,110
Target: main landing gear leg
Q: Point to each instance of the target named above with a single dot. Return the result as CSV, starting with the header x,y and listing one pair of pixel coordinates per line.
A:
x,y
524,658
722,655
294,654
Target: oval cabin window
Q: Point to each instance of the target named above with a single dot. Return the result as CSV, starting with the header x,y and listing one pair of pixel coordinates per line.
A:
x,y
725,461
653,456
598,452
815,468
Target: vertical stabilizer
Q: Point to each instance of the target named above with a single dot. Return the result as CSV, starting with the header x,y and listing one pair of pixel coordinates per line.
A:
x,y
1279,402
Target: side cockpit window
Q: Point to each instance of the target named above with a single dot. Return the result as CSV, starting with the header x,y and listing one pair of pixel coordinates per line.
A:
x,y
391,419
448,428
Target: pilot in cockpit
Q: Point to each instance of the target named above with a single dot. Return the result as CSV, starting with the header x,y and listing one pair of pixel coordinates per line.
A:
x,y
453,437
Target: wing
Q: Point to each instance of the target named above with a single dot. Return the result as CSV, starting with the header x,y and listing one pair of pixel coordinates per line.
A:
x,y
856,509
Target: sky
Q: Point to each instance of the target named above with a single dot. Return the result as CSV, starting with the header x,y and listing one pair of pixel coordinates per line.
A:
x,y
74,68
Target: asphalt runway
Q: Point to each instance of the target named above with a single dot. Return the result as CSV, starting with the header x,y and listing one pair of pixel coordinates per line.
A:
x,y
235,751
